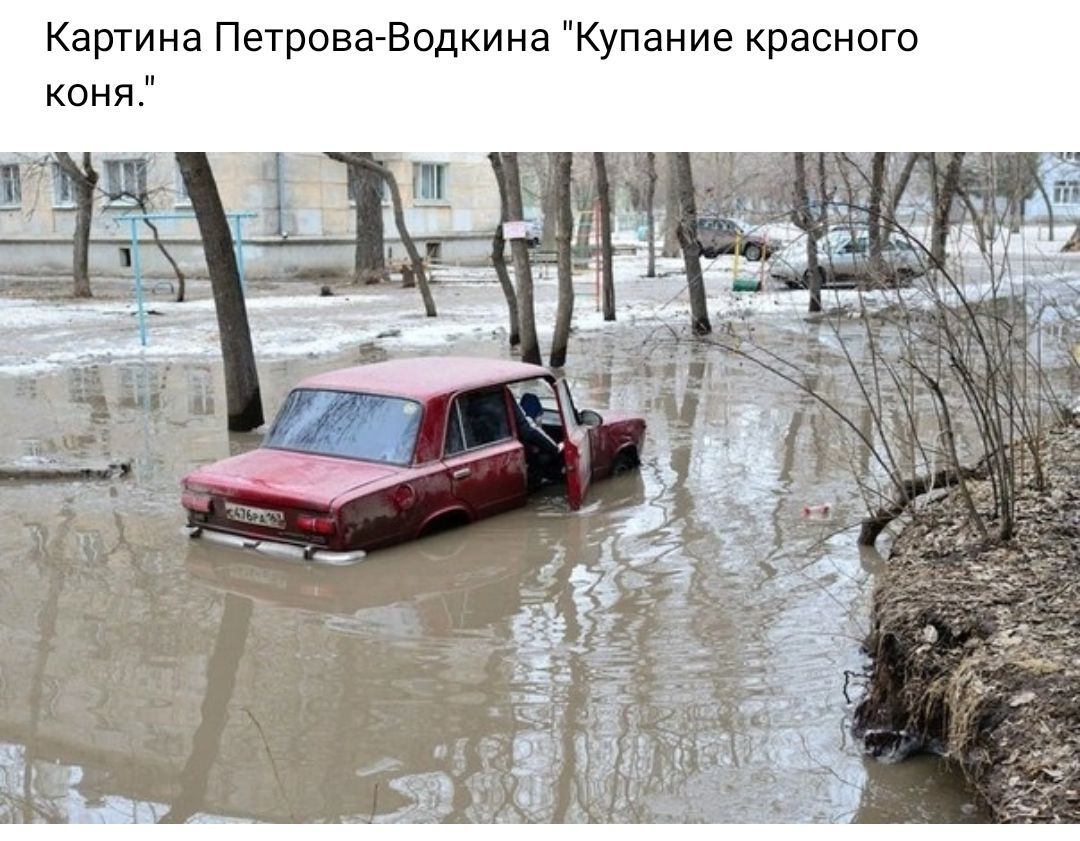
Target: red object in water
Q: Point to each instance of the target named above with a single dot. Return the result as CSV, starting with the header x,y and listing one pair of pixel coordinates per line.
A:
x,y
364,457
821,510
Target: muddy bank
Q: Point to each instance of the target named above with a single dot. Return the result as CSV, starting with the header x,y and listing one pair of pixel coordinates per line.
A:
x,y
977,649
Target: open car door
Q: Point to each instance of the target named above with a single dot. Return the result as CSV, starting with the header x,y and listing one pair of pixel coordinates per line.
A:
x,y
577,449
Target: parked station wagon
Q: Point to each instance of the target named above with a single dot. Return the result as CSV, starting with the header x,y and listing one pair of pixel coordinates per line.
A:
x,y
365,457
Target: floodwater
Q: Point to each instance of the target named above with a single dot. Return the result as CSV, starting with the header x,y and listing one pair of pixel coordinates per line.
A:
x,y
679,650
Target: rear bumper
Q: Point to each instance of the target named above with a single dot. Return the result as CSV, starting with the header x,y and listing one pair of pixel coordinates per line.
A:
x,y
276,549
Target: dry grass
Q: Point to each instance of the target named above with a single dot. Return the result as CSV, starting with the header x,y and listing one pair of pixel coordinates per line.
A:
x,y
977,646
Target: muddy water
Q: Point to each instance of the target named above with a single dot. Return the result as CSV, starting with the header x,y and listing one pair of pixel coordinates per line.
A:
x,y
674,652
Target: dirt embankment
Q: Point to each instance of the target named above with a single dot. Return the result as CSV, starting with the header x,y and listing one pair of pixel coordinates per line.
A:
x,y
977,649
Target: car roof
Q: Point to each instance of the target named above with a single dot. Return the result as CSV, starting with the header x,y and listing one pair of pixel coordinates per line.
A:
x,y
424,377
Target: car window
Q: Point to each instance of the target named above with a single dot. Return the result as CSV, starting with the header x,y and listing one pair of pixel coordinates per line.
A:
x,y
477,419
370,427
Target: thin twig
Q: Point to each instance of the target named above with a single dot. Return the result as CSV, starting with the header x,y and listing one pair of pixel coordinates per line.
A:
x,y
273,765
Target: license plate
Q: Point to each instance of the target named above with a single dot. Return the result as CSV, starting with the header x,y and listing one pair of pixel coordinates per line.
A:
x,y
255,516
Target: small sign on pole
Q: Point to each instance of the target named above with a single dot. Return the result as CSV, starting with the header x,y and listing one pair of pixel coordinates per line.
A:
x,y
517,229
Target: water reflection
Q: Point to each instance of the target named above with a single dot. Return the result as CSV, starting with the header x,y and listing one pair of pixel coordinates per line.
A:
x,y
673,651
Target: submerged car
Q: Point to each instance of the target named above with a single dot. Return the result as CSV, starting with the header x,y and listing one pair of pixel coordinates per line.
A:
x,y
717,235
843,257
365,457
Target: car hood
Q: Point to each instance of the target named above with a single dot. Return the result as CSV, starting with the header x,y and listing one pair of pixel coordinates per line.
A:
x,y
282,477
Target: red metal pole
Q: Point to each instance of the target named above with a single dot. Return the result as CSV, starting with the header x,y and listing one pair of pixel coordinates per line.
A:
x,y
599,250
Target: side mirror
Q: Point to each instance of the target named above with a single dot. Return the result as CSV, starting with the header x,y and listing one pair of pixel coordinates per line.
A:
x,y
588,417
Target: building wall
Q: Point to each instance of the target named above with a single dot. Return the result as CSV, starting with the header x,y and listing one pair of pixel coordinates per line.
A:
x,y
1057,169
304,224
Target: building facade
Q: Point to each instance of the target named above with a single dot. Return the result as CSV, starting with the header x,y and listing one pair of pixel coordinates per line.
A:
x,y
1060,173
304,223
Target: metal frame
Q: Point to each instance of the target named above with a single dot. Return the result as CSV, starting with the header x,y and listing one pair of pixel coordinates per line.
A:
x,y
236,218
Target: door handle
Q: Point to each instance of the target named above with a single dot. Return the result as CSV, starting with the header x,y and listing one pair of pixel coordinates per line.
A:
x,y
462,473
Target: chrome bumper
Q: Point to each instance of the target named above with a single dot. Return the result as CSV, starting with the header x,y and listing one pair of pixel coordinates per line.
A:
x,y
273,548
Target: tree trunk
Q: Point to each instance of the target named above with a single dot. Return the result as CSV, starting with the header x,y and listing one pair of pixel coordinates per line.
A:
x,y
181,280
498,252
875,233
939,232
671,211
415,261
530,348
84,181
241,376
688,239
603,190
549,204
1040,185
564,230
84,203
902,182
370,238
804,219
650,215
1074,241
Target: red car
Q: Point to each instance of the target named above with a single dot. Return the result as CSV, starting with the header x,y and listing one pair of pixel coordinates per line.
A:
x,y
365,457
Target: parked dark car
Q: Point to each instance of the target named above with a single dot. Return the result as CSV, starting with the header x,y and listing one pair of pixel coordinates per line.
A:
x,y
717,235
370,456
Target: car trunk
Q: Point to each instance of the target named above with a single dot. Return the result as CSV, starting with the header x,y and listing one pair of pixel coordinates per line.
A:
x,y
277,494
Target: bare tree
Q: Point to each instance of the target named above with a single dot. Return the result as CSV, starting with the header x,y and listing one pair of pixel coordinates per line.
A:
x,y
650,212
875,232
803,217
672,215
688,239
1040,184
498,252
530,348
902,181
241,376
144,201
1073,243
83,180
603,191
564,229
370,266
945,191
415,260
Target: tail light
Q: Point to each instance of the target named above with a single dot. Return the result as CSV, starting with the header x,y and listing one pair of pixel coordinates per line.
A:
x,y
316,525
198,502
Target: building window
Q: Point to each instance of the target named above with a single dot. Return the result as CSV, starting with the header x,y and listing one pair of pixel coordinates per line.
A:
x,y
384,195
1067,192
180,193
63,188
429,182
125,179
10,186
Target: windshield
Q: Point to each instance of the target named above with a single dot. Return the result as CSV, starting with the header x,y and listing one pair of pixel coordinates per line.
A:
x,y
371,427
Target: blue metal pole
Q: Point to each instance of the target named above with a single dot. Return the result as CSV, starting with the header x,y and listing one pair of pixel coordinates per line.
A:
x,y
136,264
238,242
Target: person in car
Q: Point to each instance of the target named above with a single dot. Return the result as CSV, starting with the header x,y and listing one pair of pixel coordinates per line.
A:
x,y
543,455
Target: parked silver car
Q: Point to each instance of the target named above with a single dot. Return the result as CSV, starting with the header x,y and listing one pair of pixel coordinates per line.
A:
x,y
844,259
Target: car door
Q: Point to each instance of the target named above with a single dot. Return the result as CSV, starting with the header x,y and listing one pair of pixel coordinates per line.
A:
x,y
727,237
483,460
843,258
577,448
